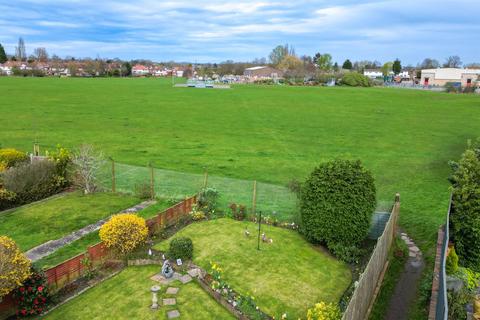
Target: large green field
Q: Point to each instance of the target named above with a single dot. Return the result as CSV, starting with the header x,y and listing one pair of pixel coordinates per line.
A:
x,y
272,134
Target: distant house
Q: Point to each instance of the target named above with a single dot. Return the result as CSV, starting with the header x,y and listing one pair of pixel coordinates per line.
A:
x,y
5,69
262,72
140,70
442,76
373,73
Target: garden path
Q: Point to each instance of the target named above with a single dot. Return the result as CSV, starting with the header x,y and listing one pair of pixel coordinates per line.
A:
x,y
51,246
406,288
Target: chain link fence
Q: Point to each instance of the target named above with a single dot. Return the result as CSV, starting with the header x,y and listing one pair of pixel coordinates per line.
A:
x,y
274,200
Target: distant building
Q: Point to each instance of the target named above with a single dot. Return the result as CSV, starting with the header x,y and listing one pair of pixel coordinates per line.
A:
x,y
442,76
5,69
373,73
263,72
140,70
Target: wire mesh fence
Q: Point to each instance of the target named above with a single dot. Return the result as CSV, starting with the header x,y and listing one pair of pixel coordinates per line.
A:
x,y
271,199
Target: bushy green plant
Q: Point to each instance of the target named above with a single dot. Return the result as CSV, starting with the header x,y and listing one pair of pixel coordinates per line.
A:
x,y
7,199
465,218
62,159
33,298
143,191
470,278
337,203
207,200
239,212
456,304
32,181
181,248
450,87
324,311
354,79
11,157
348,254
451,265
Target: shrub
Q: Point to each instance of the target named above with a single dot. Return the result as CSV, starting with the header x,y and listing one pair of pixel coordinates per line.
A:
x,y
62,159
196,214
470,278
452,261
32,181
14,266
354,79
348,254
456,304
33,297
207,200
12,157
7,199
324,311
143,191
451,87
239,212
465,219
124,232
181,248
337,202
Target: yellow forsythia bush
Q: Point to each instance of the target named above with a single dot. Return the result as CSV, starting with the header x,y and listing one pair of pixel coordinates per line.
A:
x,y
14,266
10,157
124,232
324,311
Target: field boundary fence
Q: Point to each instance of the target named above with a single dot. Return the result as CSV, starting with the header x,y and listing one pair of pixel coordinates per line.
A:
x,y
439,300
274,200
364,293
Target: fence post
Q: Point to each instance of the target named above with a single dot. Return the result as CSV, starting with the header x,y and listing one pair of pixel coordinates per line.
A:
x,y
254,200
152,182
113,175
205,179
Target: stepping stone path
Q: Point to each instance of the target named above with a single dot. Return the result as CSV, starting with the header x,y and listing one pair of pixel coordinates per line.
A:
x,y
185,279
51,246
194,272
172,290
169,302
173,314
160,278
406,287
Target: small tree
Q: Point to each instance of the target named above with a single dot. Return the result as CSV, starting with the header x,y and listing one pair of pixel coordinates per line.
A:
x,y
87,163
14,266
347,65
465,220
337,203
124,232
3,55
397,66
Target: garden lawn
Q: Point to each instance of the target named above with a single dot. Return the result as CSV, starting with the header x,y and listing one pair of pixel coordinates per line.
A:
x,y
34,224
128,296
79,246
287,276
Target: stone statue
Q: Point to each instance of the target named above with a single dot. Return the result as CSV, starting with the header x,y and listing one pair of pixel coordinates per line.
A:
x,y
167,270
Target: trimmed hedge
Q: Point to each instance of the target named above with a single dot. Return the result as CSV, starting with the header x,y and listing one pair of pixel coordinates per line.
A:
x,y
181,248
354,79
336,203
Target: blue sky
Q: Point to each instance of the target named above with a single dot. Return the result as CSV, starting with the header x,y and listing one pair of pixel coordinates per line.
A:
x,y
215,30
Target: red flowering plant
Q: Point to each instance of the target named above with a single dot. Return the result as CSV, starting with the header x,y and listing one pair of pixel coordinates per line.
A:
x,y
32,298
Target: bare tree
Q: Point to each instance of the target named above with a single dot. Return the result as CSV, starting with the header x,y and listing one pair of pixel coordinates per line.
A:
x,y
41,54
20,52
453,62
87,162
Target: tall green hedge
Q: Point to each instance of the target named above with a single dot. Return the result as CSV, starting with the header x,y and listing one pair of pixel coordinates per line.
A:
x,y
337,203
465,220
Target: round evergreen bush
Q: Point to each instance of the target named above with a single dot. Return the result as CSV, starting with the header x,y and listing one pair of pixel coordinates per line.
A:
x,y
337,202
181,248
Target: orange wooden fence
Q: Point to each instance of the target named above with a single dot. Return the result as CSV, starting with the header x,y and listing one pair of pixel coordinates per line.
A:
x,y
72,269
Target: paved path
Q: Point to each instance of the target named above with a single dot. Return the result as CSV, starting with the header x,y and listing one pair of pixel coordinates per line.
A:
x,y
406,287
51,246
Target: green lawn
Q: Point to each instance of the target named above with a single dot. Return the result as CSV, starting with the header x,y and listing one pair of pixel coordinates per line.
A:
x,y
80,245
288,275
37,223
127,296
